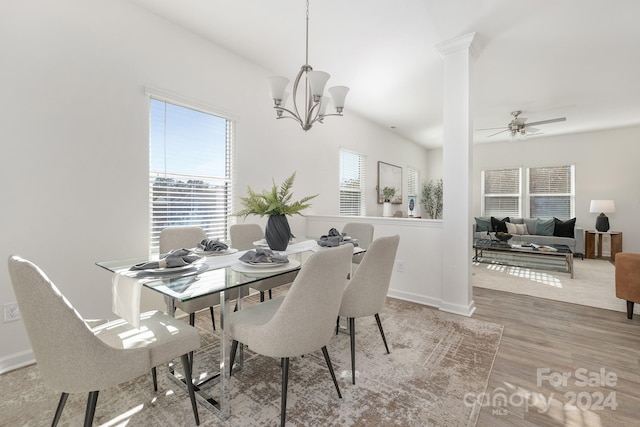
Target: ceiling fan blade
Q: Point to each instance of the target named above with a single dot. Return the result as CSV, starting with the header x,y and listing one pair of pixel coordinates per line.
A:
x,y
531,130
494,134
519,121
544,122
501,127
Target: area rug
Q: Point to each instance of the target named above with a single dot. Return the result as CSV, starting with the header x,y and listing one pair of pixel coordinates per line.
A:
x,y
593,282
437,359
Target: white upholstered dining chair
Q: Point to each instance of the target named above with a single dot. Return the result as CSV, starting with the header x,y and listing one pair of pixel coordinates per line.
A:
x,y
242,237
188,237
366,293
300,322
72,357
363,233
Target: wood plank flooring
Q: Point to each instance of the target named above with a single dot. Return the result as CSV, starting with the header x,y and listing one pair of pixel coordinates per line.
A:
x,y
585,361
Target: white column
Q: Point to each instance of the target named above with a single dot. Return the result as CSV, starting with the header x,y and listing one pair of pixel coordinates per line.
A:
x,y
457,156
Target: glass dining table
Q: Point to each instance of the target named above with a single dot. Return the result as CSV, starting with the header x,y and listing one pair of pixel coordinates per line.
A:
x,y
227,276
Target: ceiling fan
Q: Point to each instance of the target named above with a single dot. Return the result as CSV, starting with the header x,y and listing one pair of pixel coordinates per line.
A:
x,y
518,128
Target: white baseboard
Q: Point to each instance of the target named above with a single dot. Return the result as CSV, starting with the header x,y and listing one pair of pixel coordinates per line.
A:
x,y
16,360
459,309
417,298
434,302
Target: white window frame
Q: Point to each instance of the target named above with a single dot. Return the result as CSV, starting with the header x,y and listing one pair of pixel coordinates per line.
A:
x,y
524,195
361,172
221,186
571,194
413,188
485,195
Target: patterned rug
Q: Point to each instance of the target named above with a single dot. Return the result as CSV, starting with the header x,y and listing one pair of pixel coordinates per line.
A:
x,y
436,359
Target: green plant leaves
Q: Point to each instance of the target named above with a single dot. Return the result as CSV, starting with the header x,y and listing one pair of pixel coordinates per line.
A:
x,y
275,201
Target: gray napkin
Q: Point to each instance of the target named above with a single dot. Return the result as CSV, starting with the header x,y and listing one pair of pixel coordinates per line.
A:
x,y
333,232
329,242
333,239
175,258
212,245
263,255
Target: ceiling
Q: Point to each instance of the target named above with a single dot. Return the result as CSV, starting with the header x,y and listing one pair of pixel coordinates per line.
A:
x,y
571,58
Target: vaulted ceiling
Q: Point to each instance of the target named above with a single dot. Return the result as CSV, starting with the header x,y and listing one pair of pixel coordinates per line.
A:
x,y
568,58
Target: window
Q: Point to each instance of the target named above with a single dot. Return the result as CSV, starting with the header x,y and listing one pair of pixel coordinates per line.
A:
x,y
548,192
551,192
501,192
413,178
353,177
189,169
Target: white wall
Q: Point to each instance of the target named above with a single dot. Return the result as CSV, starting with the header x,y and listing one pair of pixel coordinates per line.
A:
x,y
606,168
420,251
74,122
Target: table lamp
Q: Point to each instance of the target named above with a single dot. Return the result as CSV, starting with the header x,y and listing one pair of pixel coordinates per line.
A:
x,y
602,206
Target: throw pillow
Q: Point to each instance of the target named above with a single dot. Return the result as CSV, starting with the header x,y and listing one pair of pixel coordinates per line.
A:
x,y
545,227
517,228
483,224
564,228
498,225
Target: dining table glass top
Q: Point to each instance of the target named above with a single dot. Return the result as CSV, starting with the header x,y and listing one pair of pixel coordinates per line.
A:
x,y
211,274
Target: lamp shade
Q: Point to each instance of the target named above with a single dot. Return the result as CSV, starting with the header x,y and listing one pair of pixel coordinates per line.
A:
x,y
324,103
338,93
317,82
602,206
277,86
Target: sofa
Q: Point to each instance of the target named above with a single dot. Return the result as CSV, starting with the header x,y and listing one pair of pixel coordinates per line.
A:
x,y
541,231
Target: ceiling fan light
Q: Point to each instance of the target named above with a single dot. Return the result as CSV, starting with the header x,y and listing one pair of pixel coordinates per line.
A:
x,y
339,94
277,86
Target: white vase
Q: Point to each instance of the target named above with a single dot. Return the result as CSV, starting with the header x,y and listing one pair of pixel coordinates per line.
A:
x,y
386,209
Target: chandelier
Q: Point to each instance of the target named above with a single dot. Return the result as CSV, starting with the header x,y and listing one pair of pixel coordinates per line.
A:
x,y
313,83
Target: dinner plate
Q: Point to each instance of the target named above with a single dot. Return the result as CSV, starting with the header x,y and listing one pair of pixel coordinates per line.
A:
x,y
167,270
228,251
263,264
264,270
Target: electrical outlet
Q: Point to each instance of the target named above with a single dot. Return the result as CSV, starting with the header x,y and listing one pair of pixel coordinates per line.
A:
x,y
400,267
11,312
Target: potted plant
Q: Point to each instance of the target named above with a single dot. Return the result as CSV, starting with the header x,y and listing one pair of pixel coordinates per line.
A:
x,y
276,204
388,193
432,198
387,196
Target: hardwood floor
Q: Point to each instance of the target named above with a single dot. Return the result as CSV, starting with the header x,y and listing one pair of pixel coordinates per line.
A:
x,y
585,361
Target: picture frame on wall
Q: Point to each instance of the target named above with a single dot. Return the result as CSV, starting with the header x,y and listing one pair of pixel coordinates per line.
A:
x,y
390,176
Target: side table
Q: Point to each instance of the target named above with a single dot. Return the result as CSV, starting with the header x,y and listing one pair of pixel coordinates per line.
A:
x,y
594,250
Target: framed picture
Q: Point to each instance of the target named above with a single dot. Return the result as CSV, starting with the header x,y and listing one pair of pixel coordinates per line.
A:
x,y
412,205
390,176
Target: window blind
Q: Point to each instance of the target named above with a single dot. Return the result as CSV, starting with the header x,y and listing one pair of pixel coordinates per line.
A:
x,y
501,192
413,178
353,177
551,192
189,170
